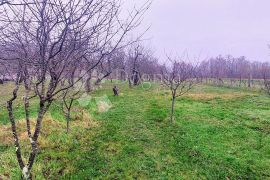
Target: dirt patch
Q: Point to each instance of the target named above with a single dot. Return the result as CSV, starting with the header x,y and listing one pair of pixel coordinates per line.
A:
x,y
48,125
4,177
86,121
6,137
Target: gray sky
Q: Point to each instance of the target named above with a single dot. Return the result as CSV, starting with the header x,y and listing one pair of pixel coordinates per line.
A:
x,y
209,27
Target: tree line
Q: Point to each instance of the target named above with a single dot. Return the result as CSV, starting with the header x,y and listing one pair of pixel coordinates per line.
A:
x,y
239,71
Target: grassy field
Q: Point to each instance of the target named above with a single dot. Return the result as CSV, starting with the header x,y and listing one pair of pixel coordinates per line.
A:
x,y
218,133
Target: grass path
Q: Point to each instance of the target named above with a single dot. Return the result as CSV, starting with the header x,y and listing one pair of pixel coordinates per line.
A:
x,y
218,133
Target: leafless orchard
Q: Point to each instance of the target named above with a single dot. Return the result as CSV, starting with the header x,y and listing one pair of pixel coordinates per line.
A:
x,y
53,49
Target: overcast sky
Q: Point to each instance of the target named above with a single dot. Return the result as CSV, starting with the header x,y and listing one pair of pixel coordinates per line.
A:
x,y
209,27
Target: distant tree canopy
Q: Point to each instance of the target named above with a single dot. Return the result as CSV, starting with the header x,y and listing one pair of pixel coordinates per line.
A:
x,y
231,67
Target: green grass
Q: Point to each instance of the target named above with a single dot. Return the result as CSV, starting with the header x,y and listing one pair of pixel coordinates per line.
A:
x,y
218,133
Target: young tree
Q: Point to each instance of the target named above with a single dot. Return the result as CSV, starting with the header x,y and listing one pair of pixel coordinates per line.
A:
x,y
71,94
179,76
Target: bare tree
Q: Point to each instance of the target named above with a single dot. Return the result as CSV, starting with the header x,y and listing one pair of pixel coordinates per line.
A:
x,y
265,69
70,95
179,77
138,57
46,39
135,77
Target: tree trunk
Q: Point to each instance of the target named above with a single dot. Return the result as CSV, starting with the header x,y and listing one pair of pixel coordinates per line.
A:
x,y
26,173
15,135
68,121
88,87
172,110
123,76
129,83
240,81
14,130
249,80
33,140
111,78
